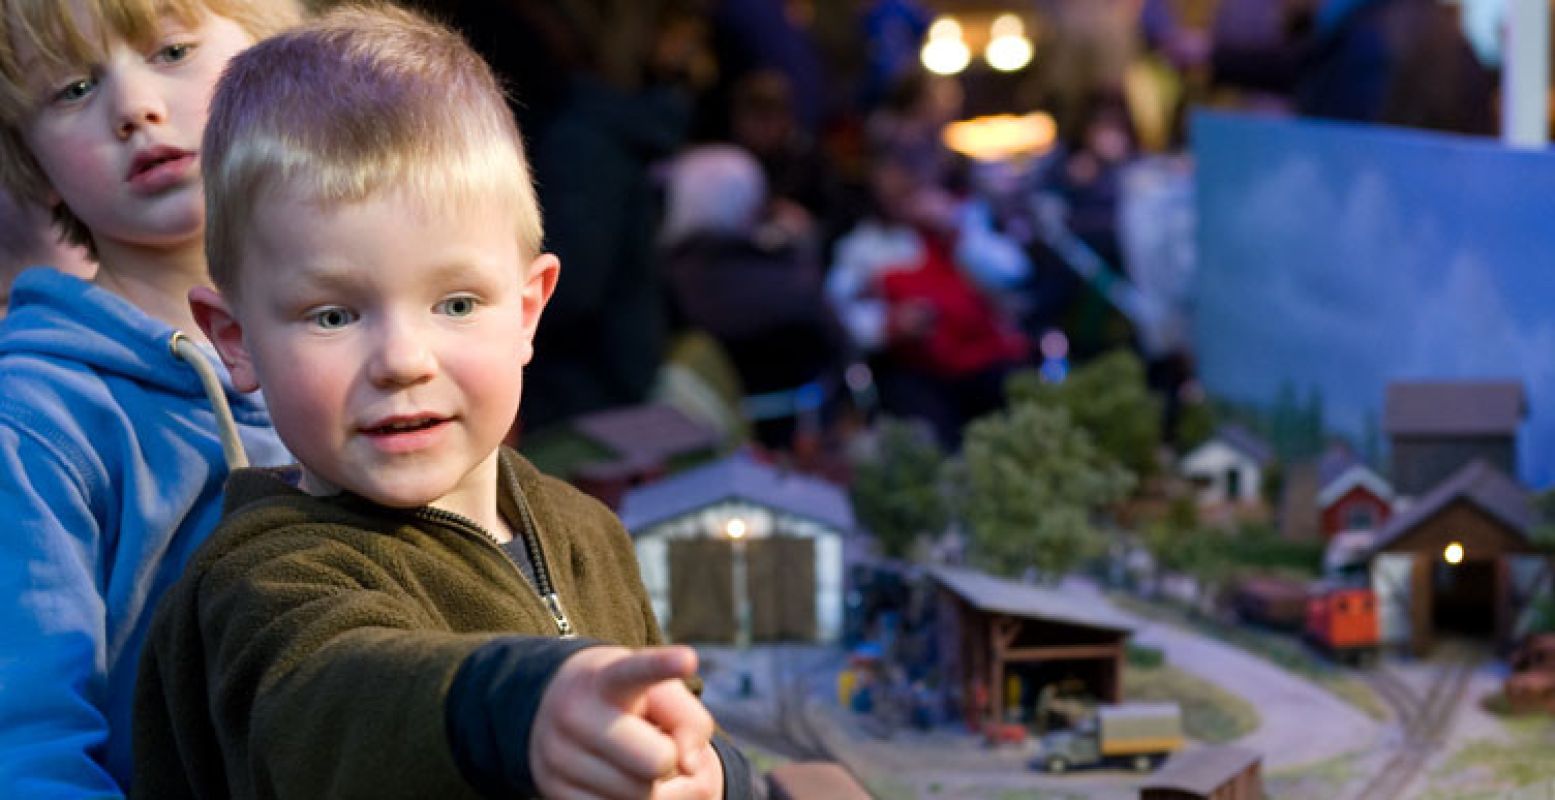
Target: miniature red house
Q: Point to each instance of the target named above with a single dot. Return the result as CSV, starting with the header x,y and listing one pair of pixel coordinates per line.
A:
x,y
1353,499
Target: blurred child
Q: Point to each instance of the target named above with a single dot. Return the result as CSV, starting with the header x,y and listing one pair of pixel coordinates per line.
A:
x,y
28,238
110,458
399,615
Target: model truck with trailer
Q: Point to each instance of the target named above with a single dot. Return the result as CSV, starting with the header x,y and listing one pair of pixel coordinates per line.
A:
x,y
1139,735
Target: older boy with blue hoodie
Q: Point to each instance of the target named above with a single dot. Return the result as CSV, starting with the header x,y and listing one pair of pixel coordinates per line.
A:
x,y
413,610
110,460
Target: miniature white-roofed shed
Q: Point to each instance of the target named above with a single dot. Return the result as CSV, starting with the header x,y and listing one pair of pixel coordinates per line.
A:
x,y
792,525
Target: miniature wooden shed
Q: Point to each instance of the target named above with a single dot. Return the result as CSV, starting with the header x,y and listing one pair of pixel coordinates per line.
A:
x,y
1207,773
1457,559
794,526
1436,427
992,628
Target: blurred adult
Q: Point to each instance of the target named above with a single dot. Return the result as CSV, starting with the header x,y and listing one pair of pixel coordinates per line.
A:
x,y
914,284
1084,51
752,284
805,191
1397,62
755,35
893,31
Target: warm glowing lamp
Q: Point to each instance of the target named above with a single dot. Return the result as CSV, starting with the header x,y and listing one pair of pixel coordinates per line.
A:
x,y
736,529
1008,48
945,53
1002,136
1453,553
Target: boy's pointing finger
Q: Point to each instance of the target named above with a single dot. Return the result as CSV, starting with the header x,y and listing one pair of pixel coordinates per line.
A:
x,y
625,681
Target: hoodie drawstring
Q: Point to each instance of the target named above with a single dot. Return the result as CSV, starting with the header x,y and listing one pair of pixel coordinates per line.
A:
x,y
226,427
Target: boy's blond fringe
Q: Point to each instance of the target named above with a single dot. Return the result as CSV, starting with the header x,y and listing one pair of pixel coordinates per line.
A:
x,y
363,101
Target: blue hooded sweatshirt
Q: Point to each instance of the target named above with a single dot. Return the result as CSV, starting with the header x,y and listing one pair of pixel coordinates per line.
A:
x,y
111,472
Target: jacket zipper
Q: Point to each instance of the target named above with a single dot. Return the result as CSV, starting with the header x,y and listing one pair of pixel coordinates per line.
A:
x,y
544,589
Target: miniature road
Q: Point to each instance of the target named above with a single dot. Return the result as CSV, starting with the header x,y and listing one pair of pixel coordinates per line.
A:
x,y
1301,722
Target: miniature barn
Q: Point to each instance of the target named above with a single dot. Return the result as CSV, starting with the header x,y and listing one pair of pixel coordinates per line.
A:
x,y
1457,561
792,528
994,628
1207,773
1434,428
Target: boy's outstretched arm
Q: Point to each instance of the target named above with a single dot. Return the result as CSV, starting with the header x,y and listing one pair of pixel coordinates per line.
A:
x,y
601,722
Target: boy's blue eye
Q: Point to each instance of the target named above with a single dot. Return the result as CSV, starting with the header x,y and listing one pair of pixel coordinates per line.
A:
x,y
332,318
461,306
75,90
175,52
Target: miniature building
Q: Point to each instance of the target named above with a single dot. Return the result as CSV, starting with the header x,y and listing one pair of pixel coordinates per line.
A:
x,y
1352,498
992,628
1436,428
1229,468
1455,560
1207,773
608,452
793,529
1298,516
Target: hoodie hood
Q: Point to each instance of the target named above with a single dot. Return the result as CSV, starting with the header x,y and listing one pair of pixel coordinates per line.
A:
x,y
59,317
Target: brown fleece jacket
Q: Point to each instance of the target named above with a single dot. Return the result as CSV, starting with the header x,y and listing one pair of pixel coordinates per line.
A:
x,y
308,650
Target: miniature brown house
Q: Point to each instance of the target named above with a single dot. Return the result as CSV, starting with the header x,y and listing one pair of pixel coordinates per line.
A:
x,y
1207,773
795,527
1456,561
1435,428
992,628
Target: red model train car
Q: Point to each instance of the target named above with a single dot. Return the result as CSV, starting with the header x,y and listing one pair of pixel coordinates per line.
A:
x,y
1342,620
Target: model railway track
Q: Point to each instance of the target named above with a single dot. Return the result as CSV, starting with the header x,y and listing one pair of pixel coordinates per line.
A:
x,y
1423,720
794,723
785,729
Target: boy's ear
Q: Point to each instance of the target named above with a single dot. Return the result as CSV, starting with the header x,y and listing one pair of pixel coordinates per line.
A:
x,y
539,284
222,328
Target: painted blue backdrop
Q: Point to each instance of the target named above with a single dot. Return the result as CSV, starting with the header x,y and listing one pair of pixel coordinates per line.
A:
x,y
1341,257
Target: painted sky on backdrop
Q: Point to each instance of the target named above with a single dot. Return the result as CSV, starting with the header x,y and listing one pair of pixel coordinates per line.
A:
x,y
1342,256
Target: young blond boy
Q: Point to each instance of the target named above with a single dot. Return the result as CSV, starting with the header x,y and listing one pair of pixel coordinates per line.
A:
x,y
111,465
395,617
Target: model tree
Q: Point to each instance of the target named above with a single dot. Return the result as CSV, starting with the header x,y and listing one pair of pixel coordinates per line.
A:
x,y
896,489
1028,486
1110,400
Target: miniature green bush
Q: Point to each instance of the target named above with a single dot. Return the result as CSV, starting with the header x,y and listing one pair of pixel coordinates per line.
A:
x,y
896,491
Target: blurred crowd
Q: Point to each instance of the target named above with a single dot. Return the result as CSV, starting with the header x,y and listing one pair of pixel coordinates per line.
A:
x,y
771,175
